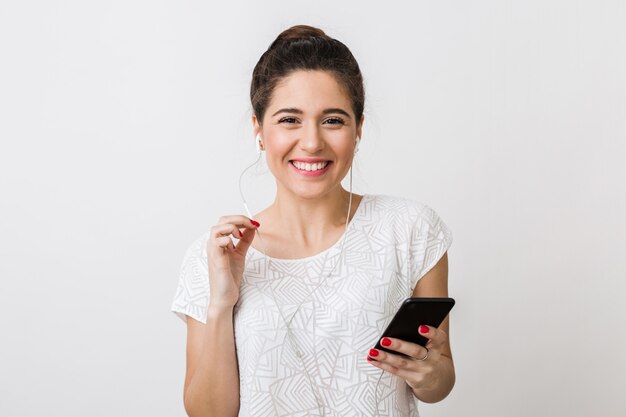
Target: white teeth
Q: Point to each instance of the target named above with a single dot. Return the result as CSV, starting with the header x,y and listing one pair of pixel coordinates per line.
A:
x,y
310,167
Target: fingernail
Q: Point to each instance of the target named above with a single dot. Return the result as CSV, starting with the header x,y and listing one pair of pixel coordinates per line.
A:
x,y
385,342
373,352
424,329
257,224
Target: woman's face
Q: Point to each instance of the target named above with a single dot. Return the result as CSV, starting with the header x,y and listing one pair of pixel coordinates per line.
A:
x,y
308,133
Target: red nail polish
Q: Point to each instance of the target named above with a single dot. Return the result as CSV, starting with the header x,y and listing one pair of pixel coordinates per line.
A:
x,y
373,352
424,329
385,342
257,224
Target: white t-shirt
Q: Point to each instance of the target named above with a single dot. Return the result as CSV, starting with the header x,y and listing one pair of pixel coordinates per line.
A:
x,y
391,242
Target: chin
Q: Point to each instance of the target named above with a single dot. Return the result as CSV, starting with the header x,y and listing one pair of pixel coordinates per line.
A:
x,y
313,191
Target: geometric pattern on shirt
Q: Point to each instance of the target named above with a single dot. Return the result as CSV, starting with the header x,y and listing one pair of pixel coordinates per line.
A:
x,y
391,242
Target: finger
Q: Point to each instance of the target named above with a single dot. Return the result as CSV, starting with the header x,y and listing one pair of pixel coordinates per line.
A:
x,y
436,337
393,360
406,374
246,240
225,230
412,371
226,243
239,221
412,350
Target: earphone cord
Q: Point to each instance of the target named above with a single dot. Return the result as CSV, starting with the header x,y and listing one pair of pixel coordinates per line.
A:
x,y
243,199
288,323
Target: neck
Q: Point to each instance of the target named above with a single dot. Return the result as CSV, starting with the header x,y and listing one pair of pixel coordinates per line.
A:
x,y
310,220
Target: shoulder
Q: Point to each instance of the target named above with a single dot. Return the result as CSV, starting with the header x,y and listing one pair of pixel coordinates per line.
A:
x,y
200,242
195,260
406,209
191,296
405,213
197,247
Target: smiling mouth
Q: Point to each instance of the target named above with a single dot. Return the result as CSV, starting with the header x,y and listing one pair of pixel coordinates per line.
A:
x,y
302,166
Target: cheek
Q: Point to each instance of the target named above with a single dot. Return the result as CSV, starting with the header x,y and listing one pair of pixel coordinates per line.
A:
x,y
345,148
278,140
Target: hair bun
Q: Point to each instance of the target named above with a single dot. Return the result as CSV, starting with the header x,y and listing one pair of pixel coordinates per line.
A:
x,y
303,47
299,32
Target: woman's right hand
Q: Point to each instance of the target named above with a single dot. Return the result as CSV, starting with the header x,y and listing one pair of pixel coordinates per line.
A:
x,y
226,261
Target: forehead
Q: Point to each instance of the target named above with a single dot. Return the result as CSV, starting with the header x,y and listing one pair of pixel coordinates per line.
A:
x,y
309,91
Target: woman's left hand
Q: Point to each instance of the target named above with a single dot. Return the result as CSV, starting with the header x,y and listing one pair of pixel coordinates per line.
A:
x,y
423,367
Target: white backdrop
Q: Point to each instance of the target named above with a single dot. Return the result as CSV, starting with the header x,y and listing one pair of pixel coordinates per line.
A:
x,y
124,126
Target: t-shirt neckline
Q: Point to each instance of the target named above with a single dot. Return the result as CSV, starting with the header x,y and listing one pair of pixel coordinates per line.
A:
x,y
337,243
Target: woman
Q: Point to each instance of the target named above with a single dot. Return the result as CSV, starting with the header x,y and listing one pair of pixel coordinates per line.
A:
x,y
285,325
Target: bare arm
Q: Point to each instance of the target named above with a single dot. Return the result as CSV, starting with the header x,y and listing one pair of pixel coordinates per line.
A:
x,y
435,284
430,379
212,377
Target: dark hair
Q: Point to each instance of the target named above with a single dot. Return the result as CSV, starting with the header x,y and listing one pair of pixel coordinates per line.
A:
x,y
304,47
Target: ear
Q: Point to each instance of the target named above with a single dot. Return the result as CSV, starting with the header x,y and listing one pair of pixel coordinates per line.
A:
x,y
359,128
256,127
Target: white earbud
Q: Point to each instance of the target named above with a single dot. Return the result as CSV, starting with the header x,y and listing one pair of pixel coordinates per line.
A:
x,y
258,143
356,145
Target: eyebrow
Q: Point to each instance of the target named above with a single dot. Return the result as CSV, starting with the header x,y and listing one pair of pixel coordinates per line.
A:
x,y
298,111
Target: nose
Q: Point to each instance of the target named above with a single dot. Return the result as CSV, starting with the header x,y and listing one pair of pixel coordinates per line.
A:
x,y
311,140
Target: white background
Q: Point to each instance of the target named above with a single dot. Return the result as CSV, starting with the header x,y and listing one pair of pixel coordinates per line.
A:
x,y
124,126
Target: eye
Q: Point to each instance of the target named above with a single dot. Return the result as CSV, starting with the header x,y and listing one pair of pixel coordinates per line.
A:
x,y
335,121
288,120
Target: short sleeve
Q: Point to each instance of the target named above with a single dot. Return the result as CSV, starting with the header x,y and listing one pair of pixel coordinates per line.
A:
x,y
429,240
192,293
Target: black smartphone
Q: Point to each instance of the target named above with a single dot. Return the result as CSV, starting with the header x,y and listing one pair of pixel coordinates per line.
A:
x,y
412,313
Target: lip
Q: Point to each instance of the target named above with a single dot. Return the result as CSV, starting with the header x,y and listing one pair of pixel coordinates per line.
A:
x,y
310,173
310,160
